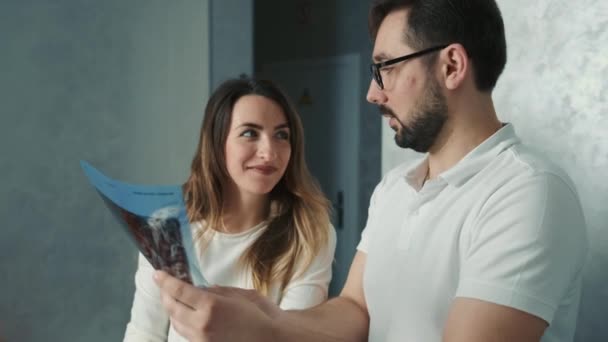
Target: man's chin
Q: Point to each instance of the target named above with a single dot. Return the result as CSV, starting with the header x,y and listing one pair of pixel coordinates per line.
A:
x,y
399,141
393,124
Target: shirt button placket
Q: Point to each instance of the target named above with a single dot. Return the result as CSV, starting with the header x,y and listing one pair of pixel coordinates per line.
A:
x,y
408,226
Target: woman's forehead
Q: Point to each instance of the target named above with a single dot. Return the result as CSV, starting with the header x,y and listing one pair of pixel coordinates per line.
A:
x,y
258,110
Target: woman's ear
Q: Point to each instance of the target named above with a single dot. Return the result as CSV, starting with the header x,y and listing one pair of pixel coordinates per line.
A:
x,y
454,65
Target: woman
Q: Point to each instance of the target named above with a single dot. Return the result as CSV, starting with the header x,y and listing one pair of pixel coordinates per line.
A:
x,y
258,218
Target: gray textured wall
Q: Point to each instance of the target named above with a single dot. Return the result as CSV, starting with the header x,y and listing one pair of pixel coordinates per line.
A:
x,y
554,91
77,80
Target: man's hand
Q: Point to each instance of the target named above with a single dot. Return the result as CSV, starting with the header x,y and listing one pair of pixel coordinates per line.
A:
x,y
220,314
216,313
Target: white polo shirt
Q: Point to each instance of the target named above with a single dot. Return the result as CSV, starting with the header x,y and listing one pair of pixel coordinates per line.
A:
x,y
503,225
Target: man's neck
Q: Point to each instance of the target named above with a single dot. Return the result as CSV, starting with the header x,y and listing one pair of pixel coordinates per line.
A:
x,y
466,129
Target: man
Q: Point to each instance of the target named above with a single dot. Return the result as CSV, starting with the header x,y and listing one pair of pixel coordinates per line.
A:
x,y
481,240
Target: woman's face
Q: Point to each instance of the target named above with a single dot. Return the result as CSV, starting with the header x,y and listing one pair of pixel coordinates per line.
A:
x,y
257,146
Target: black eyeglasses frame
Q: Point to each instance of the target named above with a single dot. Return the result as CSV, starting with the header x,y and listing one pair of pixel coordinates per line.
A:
x,y
376,67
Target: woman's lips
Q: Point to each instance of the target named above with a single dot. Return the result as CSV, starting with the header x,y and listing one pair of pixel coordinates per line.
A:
x,y
265,170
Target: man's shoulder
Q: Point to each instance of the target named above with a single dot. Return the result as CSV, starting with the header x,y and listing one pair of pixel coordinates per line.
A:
x,y
531,162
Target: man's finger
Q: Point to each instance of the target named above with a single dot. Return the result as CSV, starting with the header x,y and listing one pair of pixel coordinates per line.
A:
x,y
183,319
221,290
182,329
228,291
174,307
180,291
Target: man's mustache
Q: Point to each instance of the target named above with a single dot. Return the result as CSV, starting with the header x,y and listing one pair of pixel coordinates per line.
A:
x,y
384,110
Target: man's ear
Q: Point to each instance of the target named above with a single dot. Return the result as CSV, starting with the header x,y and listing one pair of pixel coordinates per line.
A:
x,y
454,65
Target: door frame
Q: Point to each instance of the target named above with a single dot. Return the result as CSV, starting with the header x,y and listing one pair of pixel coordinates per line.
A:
x,y
351,62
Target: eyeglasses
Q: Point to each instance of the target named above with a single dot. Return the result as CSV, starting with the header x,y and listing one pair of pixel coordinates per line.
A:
x,y
375,67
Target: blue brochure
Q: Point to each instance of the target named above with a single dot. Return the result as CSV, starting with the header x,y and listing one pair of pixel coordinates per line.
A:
x,y
155,219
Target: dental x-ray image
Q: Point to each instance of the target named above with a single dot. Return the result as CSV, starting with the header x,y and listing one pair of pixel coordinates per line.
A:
x,y
155,219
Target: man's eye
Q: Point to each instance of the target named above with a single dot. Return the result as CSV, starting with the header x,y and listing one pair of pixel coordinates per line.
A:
x,y
249,134
282,135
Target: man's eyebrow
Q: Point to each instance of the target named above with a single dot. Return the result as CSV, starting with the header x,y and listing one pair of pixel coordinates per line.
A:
x,y
381,57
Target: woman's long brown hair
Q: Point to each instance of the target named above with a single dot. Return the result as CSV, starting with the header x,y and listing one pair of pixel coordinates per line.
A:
x,y
299,223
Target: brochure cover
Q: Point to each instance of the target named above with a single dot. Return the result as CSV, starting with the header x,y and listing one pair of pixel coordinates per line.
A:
x,y
155,218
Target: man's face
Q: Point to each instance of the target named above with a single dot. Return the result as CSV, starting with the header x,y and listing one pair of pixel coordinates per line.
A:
x,y
425,119
412,98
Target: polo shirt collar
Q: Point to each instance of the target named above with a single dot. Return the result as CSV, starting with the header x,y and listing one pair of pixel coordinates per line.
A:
x,y
471,164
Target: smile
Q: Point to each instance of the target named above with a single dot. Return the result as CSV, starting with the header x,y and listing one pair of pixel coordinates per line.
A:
x,y
265,170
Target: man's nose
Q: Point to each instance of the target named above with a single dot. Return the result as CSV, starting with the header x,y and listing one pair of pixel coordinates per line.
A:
x,y
375,95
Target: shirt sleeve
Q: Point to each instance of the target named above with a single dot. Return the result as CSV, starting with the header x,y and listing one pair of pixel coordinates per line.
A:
x,y
527,248
149,320
311,287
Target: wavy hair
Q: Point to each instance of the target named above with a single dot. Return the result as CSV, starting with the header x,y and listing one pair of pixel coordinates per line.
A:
x,y
298,226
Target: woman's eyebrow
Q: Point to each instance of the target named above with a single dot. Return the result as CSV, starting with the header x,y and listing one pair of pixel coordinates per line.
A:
x,y
260,127
250,124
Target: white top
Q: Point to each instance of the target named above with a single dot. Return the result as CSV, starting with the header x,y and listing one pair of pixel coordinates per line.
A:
x,y
219,265
503,225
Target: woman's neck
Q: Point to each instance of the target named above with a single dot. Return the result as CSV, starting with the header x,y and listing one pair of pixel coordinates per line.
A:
x,y
243,211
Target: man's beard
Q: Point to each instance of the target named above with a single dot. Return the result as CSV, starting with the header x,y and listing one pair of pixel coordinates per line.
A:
x,y
427,120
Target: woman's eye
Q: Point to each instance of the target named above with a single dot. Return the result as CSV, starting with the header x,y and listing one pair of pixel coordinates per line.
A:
x,y
249,134
282,135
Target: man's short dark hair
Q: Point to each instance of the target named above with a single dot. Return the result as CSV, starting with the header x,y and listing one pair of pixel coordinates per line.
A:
x,y
475,24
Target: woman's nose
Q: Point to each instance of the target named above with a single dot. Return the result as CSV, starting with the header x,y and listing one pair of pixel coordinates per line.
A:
x,y
266,150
